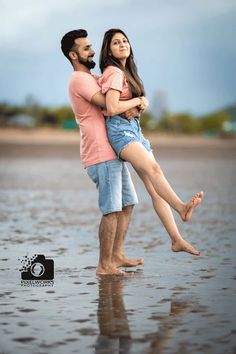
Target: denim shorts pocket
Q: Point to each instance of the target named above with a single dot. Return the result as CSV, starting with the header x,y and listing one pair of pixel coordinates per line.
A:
x,y
117,122
92,172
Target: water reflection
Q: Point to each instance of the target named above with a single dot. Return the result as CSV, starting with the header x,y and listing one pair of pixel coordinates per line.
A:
x,y
115,333
160,341
112,319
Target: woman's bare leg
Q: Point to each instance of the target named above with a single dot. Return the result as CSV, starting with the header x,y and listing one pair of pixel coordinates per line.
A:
x,y
148,169
165,214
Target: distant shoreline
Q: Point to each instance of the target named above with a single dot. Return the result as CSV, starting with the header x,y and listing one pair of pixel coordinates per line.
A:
x,y
57,136
46,142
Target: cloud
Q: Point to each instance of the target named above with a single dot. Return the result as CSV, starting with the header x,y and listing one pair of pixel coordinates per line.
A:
x,y
35,21
173,42
31,26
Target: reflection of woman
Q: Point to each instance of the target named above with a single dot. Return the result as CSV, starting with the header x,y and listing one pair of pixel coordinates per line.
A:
x,y
120,82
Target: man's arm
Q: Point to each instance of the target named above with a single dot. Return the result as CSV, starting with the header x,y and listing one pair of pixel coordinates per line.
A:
x,y
99,100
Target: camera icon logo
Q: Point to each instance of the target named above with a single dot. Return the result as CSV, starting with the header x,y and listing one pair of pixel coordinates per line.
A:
x,y
37,268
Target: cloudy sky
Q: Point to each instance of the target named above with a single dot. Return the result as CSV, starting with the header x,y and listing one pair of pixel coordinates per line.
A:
x,y
183,48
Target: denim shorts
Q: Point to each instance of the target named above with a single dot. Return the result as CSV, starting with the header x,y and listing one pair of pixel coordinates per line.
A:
x,y
114,184
122,131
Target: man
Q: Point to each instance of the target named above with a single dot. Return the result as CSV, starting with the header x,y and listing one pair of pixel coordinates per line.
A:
x,y
117,195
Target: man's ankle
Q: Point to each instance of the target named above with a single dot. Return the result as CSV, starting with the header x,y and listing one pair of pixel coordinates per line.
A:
x,y
118,254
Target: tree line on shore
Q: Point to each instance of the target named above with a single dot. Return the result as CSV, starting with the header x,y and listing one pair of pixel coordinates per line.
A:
x,y
34,115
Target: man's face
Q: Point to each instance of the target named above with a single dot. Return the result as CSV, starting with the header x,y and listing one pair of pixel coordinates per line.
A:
x,y
84,51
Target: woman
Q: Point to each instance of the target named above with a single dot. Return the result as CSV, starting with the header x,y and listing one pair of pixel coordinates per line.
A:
x,y
124,90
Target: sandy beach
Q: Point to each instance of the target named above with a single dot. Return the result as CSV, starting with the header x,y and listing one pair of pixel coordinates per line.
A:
x,y
174,303
65,143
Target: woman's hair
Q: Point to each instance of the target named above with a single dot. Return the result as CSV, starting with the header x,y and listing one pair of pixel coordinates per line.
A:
x,y
130,70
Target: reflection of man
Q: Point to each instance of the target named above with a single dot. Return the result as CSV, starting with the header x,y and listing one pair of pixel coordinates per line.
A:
x,y
117,195
112,318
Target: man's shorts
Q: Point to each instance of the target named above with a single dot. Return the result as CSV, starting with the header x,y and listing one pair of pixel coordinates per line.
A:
x,y
122,131
114,184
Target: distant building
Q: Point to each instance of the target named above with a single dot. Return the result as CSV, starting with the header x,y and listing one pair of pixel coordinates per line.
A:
x,y
159,106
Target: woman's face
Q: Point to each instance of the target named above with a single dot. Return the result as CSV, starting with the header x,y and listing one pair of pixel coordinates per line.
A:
x,y
119,47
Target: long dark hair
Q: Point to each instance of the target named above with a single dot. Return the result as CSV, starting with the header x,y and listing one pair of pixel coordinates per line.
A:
x,y
130,70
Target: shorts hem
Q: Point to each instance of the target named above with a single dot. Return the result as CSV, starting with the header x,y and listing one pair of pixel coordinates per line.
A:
x,y
110,211
117,210
128,204
123,147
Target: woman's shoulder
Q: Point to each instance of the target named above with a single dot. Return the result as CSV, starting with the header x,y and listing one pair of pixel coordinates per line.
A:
x,y
112,69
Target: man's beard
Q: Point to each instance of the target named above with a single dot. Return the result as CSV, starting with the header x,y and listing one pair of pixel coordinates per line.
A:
x,y
90,64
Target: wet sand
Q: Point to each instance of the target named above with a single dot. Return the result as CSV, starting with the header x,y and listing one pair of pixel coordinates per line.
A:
x,y
175,303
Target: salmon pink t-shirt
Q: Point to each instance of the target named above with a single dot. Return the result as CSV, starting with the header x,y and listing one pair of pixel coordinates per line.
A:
x,y
114,78
94,145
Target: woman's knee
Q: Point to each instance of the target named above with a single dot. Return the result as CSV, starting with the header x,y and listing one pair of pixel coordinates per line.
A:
x,y
150,169
156,168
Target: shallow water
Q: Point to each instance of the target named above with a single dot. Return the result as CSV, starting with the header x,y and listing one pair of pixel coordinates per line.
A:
x,y
175,303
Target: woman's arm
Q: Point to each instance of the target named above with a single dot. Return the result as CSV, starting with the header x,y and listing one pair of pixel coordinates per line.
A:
x,y
115,106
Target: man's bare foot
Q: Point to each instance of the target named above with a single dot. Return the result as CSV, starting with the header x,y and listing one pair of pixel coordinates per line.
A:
x,y
123,261
112,270
188,209
183,246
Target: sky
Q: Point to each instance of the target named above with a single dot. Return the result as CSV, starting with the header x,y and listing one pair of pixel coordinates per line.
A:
x,y
184,49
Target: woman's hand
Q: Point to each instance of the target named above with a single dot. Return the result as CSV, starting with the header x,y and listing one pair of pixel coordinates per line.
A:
x,y
143,104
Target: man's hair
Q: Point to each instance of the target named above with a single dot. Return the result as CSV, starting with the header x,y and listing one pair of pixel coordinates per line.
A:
x,y
68,41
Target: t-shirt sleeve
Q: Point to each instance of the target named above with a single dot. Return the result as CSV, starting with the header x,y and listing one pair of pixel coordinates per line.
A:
x,y
86,87
112,78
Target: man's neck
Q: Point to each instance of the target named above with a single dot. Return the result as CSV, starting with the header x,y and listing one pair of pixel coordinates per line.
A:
x,y
81,67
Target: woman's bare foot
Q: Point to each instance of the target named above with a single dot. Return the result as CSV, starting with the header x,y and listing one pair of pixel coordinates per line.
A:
x,y
111,270
183,246
188,208
123,261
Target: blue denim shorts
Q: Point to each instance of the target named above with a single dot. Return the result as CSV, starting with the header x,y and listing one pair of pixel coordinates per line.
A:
x,y
122,131
114,184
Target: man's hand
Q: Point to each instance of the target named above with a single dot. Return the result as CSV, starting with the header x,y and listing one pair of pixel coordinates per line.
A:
x,y
131,113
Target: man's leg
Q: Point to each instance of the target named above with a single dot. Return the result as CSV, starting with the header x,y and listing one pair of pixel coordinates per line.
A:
x,y
107,232
108,179
118,254
129,199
